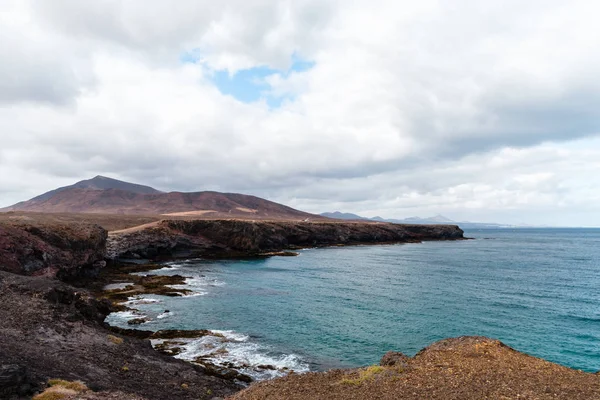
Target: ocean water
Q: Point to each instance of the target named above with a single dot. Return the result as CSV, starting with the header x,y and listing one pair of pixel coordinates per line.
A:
x,y
537,290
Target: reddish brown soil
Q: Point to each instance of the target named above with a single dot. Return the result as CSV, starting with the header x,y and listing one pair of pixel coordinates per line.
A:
x,y
117,201
461,369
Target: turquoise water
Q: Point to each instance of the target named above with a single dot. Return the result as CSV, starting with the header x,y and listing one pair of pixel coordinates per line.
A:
x,y
537,290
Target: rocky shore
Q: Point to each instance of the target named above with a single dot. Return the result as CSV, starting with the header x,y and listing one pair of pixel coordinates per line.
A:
x,y
51,330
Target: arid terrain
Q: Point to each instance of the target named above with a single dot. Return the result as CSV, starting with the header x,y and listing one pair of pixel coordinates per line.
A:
x,y
466,368
102,195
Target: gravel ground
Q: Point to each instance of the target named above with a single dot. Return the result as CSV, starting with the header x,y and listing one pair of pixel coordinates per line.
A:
x,y
462,368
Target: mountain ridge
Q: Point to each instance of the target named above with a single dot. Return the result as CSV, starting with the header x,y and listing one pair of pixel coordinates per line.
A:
x,y
436,219
111,196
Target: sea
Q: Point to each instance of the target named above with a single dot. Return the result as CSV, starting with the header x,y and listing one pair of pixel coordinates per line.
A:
x,y
536,290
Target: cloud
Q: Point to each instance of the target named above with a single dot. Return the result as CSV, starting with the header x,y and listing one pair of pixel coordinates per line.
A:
x,y
406,108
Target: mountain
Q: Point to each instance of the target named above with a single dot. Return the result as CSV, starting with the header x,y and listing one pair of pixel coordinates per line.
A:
x,y
438,219
435,220
341,215
100,182
110,196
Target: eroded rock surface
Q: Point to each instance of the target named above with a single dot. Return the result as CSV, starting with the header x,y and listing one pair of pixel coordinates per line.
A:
x,y
461,368
56,331
244,238
67,251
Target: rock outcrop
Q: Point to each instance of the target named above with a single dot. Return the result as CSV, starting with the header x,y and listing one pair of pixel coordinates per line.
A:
x,y
246,238
51,330
64,250
15,381
465,368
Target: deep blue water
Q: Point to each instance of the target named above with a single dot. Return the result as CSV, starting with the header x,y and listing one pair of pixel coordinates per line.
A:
x,y
537,290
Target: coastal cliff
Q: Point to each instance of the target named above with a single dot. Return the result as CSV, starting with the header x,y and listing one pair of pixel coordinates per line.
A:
x,y
248,238
67,251
72,250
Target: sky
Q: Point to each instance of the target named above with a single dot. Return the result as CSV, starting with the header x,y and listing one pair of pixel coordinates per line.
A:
x,y
480,111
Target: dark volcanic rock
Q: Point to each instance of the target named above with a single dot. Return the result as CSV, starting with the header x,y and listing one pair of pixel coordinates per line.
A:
x,y
394,358
15,381
248,238
64,250
46,326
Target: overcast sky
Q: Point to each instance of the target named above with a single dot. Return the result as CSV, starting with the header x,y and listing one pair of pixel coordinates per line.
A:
x,y
478,110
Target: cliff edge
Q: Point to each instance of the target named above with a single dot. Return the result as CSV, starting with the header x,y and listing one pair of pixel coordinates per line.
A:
x,y
233,237
64,250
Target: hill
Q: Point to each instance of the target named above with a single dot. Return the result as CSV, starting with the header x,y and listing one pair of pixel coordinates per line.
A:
x,y
341,215
110,196
435,220
465,368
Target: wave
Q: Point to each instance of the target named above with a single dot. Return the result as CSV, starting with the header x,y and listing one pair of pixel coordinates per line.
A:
x,y
581,318
191,294
198,285
141,300
164,315
121,317
233,350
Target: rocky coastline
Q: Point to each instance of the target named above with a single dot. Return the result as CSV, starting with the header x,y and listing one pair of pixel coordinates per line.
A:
x,y
52,277
244,238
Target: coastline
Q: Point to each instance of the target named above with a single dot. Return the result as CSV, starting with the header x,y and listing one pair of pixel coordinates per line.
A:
x,y
50,264
66,337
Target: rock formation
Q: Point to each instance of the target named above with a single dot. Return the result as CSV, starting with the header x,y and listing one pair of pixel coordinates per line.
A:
x,y
246,238
64,250
51,330
465,368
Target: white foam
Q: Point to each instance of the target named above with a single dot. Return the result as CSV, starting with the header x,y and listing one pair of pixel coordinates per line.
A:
x,y
136,301
232,335
164,315
197,285
124,316
203,281
232,348
191,294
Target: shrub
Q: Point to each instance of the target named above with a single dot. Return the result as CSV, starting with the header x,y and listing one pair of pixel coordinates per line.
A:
x,y
114,339
364,375
77,386
60,389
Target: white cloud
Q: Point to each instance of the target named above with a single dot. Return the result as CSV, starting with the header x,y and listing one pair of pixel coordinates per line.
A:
x,y
480,110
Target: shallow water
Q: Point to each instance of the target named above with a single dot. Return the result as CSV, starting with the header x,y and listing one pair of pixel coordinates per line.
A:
x,y
537,290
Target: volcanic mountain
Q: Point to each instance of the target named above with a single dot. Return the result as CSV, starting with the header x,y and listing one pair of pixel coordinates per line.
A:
x,y
110,196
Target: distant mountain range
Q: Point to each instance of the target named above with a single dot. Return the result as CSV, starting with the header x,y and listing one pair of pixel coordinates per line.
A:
x,y
111,196
438,219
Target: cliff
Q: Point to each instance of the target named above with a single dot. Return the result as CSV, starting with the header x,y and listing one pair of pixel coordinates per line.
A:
x,y
63,250
247,238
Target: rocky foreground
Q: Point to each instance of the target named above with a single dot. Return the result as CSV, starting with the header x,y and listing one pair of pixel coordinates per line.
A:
x,y
51,330
461,369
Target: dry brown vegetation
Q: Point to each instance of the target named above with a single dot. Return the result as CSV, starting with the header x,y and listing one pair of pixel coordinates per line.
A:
x,y
467,368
